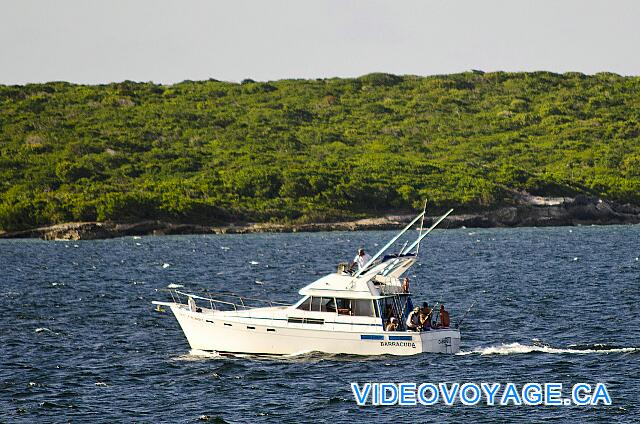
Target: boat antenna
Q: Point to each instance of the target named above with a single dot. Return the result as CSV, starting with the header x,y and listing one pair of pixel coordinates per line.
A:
x,y
386,246
424,210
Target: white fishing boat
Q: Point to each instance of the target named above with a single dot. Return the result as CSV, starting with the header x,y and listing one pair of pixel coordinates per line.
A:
x,y
342,312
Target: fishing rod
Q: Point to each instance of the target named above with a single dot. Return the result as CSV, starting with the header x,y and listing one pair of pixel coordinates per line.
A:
x,y
465,315
434,313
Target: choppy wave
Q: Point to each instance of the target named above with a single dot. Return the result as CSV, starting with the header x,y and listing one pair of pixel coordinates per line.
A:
x,y
517,348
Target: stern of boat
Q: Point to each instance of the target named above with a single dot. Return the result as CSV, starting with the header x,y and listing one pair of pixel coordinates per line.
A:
x,y
443,340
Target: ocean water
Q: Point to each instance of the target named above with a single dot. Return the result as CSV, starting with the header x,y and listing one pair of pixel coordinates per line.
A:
x,y
80,342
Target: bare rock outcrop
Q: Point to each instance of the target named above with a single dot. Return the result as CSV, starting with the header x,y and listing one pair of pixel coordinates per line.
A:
x,y
532,211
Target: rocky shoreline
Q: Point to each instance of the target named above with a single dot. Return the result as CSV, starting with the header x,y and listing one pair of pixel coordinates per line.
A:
x,y
531,212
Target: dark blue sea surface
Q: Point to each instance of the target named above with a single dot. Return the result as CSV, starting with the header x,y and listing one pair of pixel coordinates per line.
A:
x,y
80,340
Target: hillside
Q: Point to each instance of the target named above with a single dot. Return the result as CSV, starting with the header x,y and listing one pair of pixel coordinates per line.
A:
x,y
212,152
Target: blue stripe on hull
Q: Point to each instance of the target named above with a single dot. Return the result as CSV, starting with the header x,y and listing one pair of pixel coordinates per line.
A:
x,y
371,337
400,338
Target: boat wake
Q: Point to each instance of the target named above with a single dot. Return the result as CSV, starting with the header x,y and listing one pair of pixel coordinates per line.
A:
x,y
517,348
197,355
302,356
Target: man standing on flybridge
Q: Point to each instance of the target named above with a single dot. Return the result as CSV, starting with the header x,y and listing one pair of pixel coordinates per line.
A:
x,y
361,259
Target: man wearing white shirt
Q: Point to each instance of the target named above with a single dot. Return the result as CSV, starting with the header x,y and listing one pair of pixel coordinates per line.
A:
x,y
361,259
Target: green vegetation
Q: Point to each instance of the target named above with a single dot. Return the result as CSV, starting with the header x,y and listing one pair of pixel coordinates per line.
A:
x,y
312,150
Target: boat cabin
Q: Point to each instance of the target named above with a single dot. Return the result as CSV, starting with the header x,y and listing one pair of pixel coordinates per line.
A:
x,y
375,312
371,298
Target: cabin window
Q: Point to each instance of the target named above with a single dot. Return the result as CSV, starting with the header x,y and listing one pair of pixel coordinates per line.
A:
x,y
328,304
318,304
306,305
363,308
315,303
344,306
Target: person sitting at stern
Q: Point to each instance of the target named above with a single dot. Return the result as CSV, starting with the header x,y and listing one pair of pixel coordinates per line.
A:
x,y
425,317
392,325
413,320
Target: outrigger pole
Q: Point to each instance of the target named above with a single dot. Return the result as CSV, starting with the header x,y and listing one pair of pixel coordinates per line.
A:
x,y
435,224
386,246
404,230
424,211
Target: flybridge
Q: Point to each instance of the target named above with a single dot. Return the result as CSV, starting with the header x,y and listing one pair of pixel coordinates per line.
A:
x,y
378,277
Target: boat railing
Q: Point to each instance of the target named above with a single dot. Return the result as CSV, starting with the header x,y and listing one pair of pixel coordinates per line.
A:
x,y
388,285
232,302
390,289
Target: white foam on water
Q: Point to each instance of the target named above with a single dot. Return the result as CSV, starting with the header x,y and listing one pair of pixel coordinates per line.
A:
x,y
137,237
174,286
197,355
45,329
259,282
254,263
300,353
517,348
165,265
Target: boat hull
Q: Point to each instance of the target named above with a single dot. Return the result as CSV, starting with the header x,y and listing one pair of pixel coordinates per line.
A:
x,y
210,332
